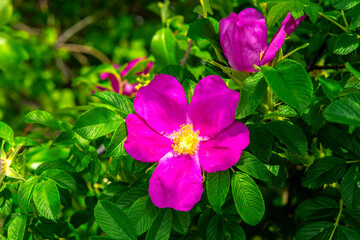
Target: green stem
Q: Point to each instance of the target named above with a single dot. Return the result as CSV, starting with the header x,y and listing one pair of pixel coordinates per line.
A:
x,y
334,22
345,21
269,98
354,161
337,219
296,49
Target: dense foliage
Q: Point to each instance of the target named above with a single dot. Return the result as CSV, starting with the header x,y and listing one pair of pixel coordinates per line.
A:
x,y
69,73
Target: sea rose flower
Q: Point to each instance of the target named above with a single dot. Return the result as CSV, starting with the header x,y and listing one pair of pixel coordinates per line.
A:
x,y
243,38
128,88
184,138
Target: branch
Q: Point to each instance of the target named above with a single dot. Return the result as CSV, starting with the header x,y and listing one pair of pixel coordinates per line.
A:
x,y
74,29
183,61
85,49
325,67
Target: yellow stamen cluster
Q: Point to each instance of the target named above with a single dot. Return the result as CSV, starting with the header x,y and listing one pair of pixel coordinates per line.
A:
x,y
261,54
143,81
185,140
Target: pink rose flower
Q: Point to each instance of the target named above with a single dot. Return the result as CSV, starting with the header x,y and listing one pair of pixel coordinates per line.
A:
x,y
243,38
128,88
184,138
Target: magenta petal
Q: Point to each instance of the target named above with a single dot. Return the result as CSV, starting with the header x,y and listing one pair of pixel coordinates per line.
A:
x,y
213,106
287,27
143,143
130,65
242,38
162,104
114,81
292,24
176,182
129,88
224,150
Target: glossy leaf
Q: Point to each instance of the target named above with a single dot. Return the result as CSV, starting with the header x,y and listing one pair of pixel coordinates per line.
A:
x,y
26,190
43,118
47,199
248,198
6,132
17,228
61,178
97,122
291,83
324,171
120,102
345,110
161,226
249,164
113,221
116,145
350,189
217,188
163,47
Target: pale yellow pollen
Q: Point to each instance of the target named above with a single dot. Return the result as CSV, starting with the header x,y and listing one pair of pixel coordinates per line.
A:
x,y
185,140
261,54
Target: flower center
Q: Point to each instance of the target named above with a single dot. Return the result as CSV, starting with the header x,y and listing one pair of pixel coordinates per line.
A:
x,y
185,140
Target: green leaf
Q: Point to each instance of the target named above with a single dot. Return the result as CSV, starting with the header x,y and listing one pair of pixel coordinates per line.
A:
x,y
352,70
203,29
317,230
163,47
352,217
181,221
131,195
116,145
291,83
17,227
283,111
344,4
261,142
317,40
251,93
289,134
42,117
346,43
97,122
161,227
215,228
248,200
120,102
47,199
6,10
346,233
275,13
332,88
236,231
141,214
217,188
61,178
316,208
113,221
6,132
345,110
6,202
249,164
25,193
355,17
324,171
313,10
350,188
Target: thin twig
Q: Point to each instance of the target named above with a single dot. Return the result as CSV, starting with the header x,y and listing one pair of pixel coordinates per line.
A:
x,y
85,49
74,29
334,22
325,67
183,61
